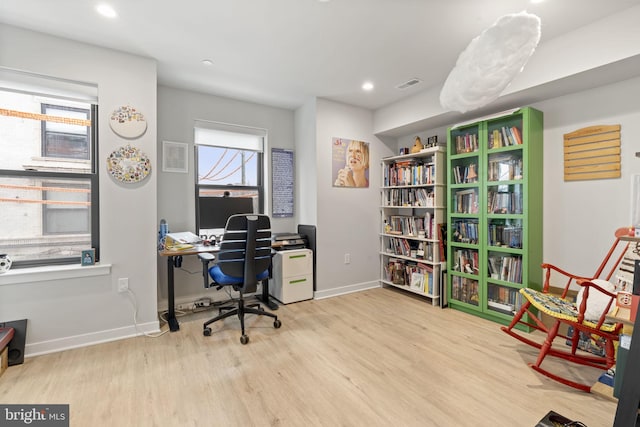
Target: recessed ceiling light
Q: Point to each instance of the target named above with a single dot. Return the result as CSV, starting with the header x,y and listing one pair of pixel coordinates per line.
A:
x,y
367,86
324,1
106,11
207,62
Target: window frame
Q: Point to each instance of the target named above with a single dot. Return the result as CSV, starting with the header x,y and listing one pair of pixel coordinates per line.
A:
x,y
92,177
259,188
46,210
45,132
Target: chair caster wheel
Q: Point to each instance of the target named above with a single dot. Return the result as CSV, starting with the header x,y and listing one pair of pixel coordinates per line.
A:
x,y
206,332
244,339
277,323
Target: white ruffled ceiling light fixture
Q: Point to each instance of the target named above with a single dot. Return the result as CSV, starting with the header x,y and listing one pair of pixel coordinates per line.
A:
x,y
491,62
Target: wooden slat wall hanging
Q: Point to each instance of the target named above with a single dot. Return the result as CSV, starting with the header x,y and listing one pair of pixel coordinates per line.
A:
x,y
45,117
592,153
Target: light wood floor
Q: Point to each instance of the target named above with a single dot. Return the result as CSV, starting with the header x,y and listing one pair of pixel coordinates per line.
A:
x,y
374,358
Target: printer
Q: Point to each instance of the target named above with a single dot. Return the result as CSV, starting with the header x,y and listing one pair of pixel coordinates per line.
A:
x,y
288,241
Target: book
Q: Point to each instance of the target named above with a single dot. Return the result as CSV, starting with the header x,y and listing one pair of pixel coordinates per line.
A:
x,y
501,307
442,237
417,282
516,134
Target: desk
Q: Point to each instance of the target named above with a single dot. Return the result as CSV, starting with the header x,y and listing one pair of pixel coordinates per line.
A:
x,y
171,259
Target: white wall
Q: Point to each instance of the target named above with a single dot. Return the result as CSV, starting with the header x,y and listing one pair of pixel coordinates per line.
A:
x,y
84,310
348,218
580,217
561,80
177,111
565,59
306,177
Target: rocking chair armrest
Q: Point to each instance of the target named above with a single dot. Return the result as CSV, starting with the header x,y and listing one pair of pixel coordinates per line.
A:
x,y
587,284
590,284
548,268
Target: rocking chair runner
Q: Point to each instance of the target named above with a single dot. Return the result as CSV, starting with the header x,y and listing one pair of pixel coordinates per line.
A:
x,y
568,313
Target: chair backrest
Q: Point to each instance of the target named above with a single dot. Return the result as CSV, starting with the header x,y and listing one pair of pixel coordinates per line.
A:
x,y
245,251
606,270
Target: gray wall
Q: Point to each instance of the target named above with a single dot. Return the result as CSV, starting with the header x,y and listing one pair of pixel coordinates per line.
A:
x,y
348,218
177,111
580,217
74,307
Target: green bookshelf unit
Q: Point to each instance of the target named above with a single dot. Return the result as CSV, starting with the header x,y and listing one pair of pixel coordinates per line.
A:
x,y
494,222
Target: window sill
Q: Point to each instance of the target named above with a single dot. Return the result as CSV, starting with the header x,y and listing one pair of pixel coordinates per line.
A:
x,y
52,272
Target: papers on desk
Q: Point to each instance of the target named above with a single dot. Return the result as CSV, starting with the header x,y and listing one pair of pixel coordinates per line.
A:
x,y
181,241
185,237
179,247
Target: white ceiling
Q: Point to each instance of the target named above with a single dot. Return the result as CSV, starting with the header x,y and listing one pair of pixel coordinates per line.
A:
x,y
282,52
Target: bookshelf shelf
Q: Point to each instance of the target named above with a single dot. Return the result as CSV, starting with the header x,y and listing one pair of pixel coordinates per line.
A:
x,y
412,217
502,230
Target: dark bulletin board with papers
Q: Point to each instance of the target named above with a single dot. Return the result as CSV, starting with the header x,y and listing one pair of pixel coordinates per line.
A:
x,y
282,169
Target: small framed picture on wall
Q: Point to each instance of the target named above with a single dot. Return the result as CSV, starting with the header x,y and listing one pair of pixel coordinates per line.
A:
x,y
175,157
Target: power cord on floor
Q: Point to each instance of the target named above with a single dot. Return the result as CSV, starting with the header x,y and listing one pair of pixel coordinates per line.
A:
x,y
134,302
178,313
189,271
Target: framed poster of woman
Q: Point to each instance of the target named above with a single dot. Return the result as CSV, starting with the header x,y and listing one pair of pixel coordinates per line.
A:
x,y
350,163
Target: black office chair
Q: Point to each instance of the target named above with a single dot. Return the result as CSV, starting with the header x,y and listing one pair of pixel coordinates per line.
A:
x,y
243,261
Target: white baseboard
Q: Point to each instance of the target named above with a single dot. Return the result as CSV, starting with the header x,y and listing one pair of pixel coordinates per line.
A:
x,y
84,340
356,287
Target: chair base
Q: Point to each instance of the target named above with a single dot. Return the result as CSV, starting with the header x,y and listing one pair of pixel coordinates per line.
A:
x,y
240,311
583,387
546,348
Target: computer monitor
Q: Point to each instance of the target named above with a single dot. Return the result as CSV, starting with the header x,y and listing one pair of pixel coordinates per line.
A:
x,y
213,212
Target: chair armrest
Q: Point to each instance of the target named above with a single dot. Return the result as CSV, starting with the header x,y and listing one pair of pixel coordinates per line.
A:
x,y
548,268
206,258
587,286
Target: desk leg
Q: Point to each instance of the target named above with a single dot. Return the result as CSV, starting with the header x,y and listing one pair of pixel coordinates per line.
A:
x,y
264,298
171,314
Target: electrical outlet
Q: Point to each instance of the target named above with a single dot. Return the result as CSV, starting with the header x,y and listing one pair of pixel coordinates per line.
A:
x,y
123,284
347,258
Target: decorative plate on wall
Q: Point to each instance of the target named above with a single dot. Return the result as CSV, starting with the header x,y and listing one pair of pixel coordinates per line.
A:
x,y
127,122
128,164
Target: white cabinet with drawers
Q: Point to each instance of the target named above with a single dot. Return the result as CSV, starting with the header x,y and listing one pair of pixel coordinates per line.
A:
x,y
292,276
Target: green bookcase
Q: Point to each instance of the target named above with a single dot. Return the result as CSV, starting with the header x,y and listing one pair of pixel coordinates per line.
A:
x,y
494,222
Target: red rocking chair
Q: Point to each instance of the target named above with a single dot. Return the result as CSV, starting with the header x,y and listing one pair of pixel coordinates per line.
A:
x,y
564,311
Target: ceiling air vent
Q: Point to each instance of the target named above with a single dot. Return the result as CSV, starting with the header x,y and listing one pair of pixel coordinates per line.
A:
x,y
408,83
